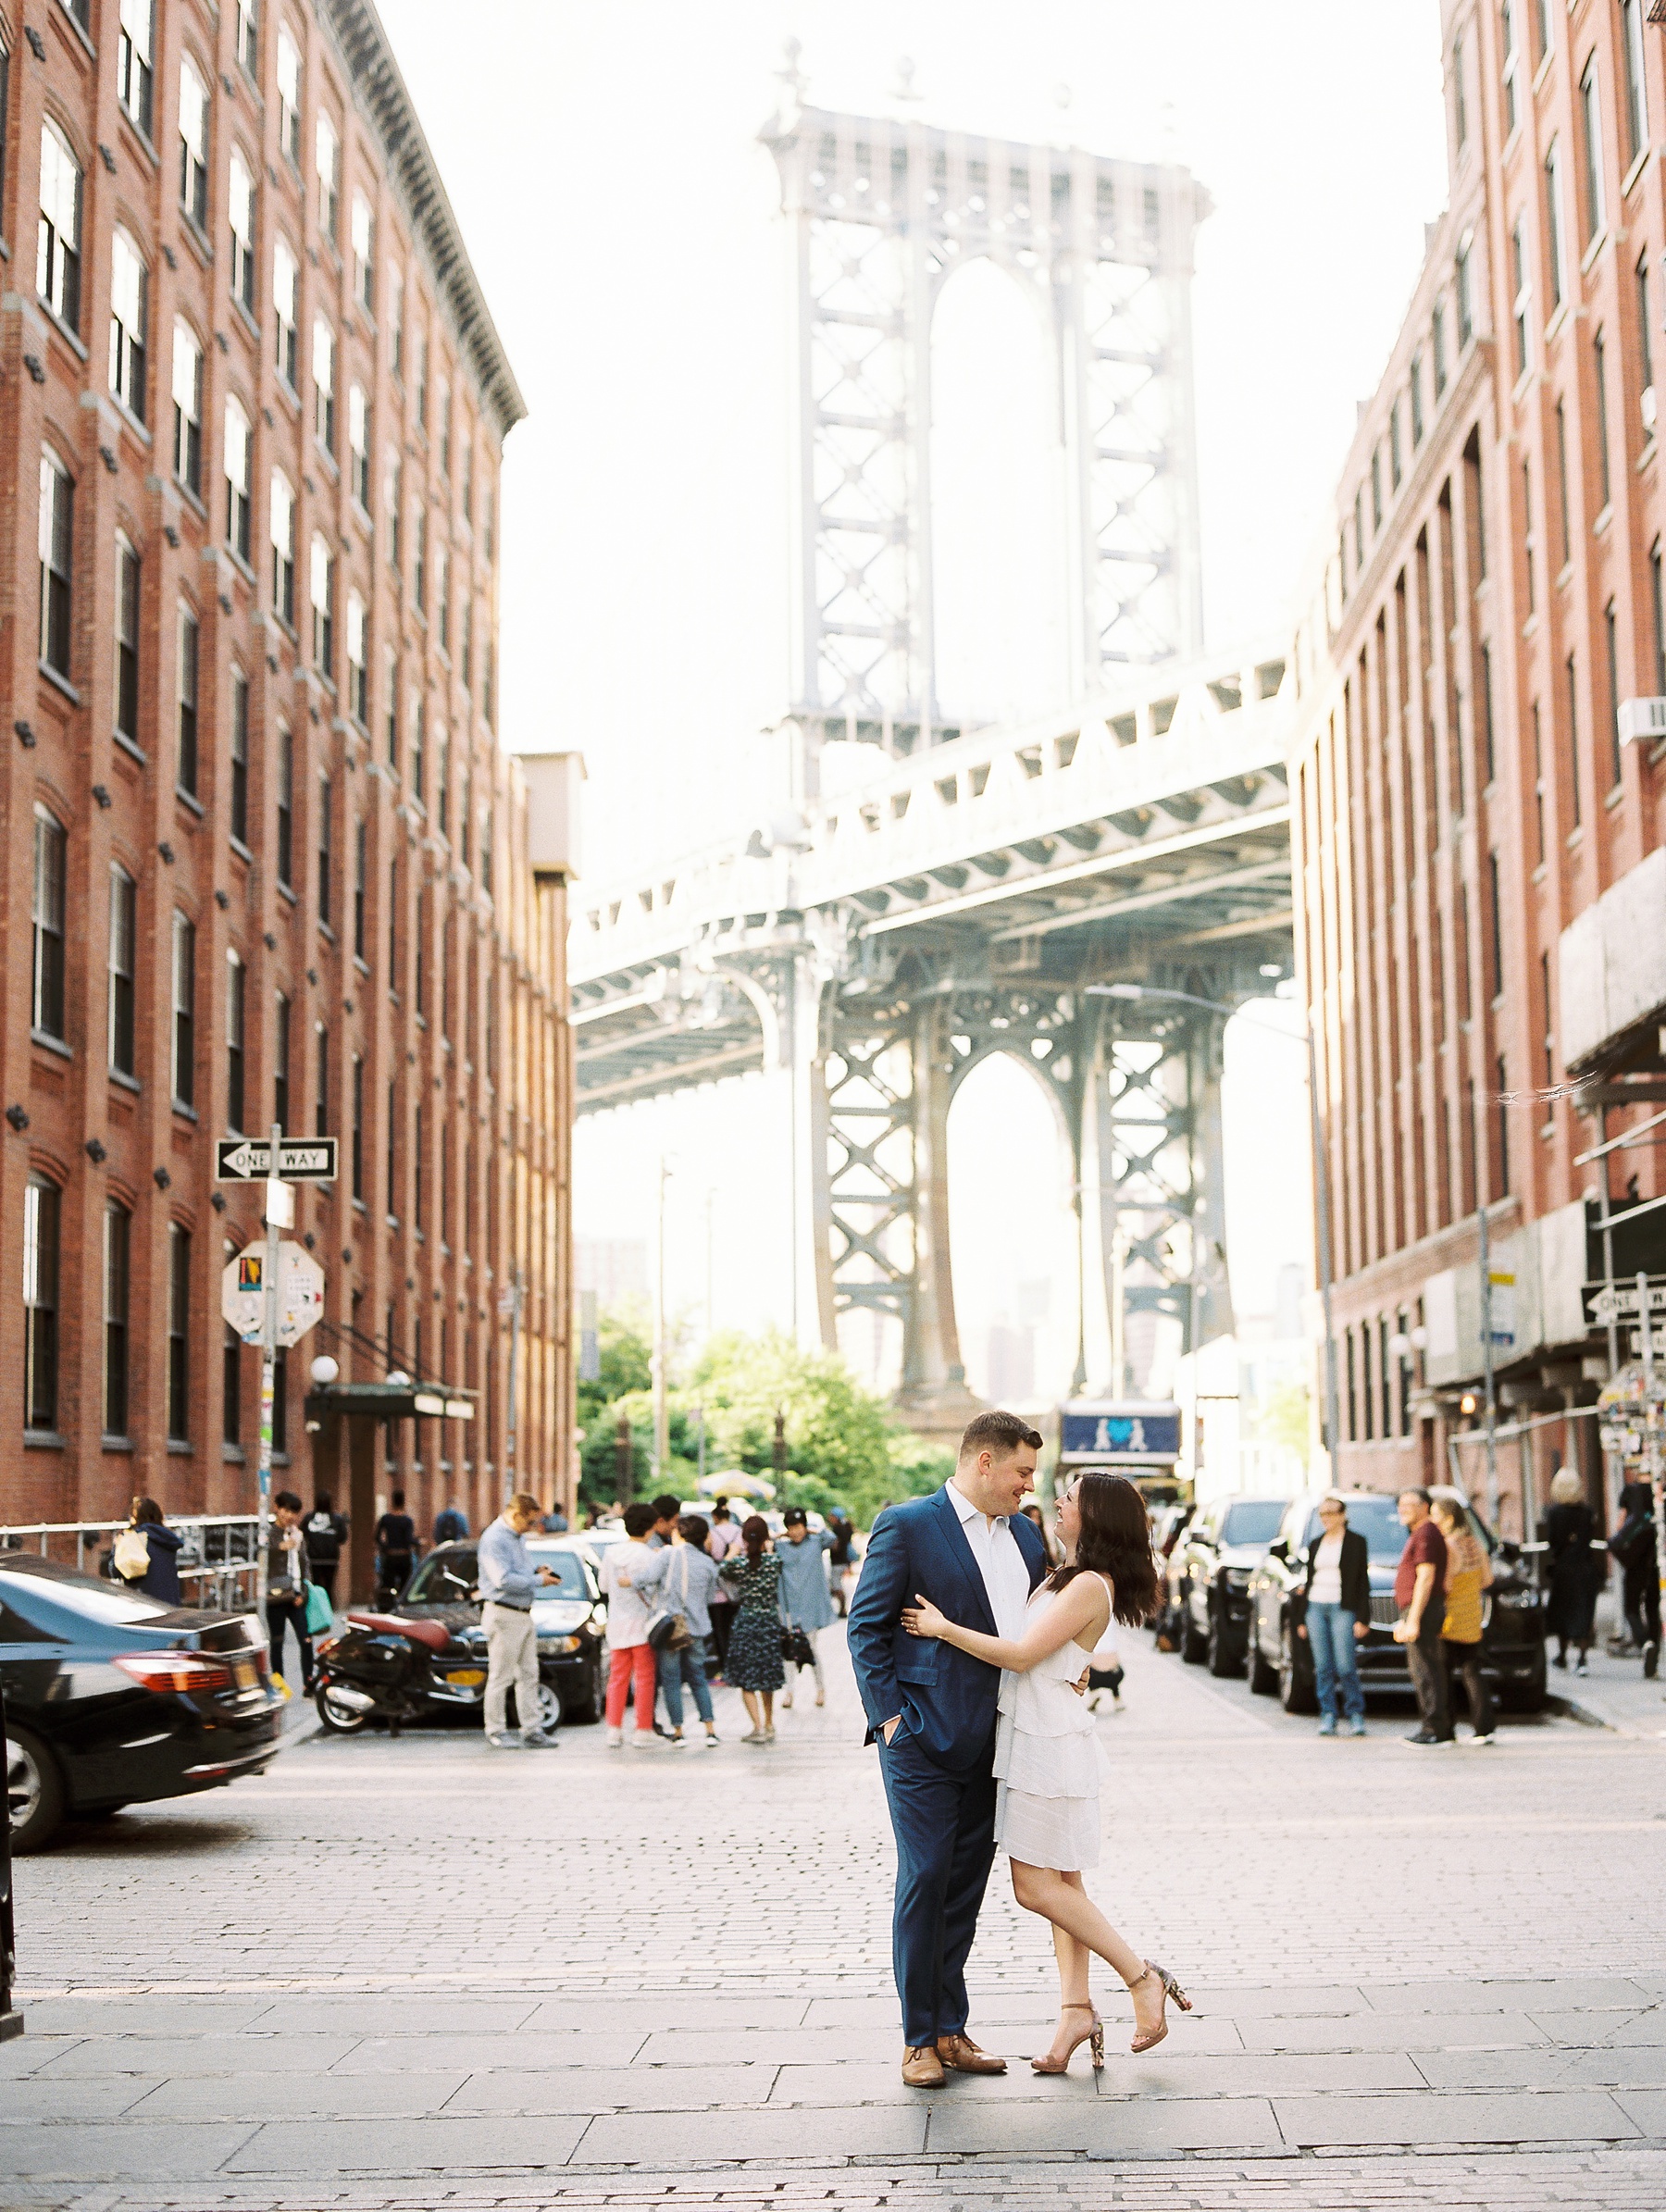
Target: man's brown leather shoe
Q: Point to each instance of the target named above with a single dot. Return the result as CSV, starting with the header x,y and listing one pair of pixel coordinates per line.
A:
x,y
922,2068
963,2056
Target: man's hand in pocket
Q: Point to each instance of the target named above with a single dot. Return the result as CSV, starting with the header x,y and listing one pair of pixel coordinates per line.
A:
x,y
891,1727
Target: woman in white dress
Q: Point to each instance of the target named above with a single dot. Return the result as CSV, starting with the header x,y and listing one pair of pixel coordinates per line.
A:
x,y
1047,1814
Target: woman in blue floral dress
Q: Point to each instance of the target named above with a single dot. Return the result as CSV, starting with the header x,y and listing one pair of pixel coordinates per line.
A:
x,y
754,1666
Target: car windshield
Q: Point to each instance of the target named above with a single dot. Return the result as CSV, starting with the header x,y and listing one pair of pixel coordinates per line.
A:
x,y
443,1578
567,1567
82,1594
1255,1521
1377,1518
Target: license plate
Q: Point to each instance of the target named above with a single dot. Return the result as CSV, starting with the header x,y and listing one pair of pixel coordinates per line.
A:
x,y
466,1678
244,1674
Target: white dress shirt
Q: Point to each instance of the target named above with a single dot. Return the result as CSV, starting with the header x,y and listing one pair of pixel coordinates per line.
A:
x,y
999,1561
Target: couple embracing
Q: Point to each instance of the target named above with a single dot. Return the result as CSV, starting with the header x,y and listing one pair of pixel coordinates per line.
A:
x,y
971,1659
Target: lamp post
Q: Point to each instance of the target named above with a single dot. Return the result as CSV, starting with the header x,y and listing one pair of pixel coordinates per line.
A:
x,y
1320,1182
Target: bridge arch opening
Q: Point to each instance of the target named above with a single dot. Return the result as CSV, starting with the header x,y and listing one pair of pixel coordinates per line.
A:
x,y
996,501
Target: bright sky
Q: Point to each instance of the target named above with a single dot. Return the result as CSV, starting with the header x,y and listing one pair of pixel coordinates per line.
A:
x,y
602,162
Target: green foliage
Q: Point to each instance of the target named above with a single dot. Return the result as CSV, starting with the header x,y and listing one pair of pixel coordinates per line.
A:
x,y
1284,1417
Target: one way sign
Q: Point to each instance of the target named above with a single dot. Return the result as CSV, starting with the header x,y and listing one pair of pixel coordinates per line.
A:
x,y
301,1160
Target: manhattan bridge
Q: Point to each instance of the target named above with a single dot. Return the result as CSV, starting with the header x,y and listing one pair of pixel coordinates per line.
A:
x,y
941,892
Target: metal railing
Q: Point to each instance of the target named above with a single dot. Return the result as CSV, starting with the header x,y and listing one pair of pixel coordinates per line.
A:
x,y
216,1561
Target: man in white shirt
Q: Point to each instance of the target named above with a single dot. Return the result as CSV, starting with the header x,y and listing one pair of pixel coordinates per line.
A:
x,y
631,1575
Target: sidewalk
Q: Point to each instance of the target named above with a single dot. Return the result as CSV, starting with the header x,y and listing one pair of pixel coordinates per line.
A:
x,y
1613,1695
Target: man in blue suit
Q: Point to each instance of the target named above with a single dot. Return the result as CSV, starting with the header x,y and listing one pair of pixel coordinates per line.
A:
x,y
931,1710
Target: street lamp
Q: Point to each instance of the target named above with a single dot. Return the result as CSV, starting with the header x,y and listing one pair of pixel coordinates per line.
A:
x,y
1321,1186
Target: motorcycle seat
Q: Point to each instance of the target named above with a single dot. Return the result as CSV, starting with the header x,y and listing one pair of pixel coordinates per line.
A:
x,y
434,1633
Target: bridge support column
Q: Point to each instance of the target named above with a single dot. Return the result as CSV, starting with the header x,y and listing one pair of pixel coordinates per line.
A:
x,y
805,1060
933,1397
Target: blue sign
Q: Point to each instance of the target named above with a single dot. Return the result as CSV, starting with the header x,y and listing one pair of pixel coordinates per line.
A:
x,y
1120,1435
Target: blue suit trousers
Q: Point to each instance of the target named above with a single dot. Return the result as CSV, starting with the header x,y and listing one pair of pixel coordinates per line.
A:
x,y
945,1828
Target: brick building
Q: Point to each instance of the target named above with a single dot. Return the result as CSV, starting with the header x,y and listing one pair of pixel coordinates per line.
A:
x,y
1481,919
265,856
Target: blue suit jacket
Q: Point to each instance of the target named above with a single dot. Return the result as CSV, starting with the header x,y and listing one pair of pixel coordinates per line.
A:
x,y
946,1698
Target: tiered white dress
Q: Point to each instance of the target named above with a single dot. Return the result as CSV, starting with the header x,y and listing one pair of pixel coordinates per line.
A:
x,y
1047,1807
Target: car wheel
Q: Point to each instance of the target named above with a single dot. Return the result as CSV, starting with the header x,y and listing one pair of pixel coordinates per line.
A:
x,y
1295,1694
1528,1696
1194,1648
1221,1658
1264,1679
548,1707
341,1720
34,1794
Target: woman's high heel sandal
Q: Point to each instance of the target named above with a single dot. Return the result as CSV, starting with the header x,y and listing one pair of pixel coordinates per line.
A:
x,y
1170,1988
1094,2037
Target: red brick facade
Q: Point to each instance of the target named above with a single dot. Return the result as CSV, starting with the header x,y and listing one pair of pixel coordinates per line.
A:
x,y
281,734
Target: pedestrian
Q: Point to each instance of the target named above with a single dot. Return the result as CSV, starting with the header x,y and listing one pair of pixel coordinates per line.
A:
x,y
667,1511
1469,1573
753,1576
1575,1568
724,1537
325,1532
1420,1593
806,1604
156,1573
1335,1616
452,1525
632,1576
1633,1545
691,1578
287,1579
841,1559
1031,1510
555,1520
395,1551
508,1581
1105,1673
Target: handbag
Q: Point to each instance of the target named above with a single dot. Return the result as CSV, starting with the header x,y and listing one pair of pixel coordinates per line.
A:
x,y
132,1556
320,1613
795,1648
668,1629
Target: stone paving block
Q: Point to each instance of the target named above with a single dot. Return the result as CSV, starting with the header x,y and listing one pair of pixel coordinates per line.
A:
x,y
568,2015
1625,2066
142,2015
688,2046
290,2148
527,2047
1170,2072
1580,1992
1646,2110
415,2014
397,2091
113,2151
800,2131
611,2089
1392,2031
101,2055
40,2098
27,2054
1646,2024
861,2083
1110,2127
1290,2000
1537,2116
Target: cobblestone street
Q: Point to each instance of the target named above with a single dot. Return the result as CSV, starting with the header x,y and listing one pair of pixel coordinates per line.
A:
x,y
422,1974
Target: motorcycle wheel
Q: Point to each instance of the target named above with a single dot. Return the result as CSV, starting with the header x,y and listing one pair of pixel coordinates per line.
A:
x,y
340,1719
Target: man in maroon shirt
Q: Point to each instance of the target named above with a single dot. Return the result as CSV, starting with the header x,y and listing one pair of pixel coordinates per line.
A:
x,y
1420,1593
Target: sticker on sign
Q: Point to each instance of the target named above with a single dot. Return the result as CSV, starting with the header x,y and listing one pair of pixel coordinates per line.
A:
x,y
301,1160
300,1292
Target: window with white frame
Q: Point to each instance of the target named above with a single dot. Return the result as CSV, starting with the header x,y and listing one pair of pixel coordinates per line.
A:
x,y
121,960
241,194
117,1247
391,688
42,1204
56,544
442,597
248,36
1523,295
134,76
1554,223
1511,71
1465,288
50,849
289,94
321,580
239,757
185,771
446,429
364,254
396,320
188,408
238,453
236,1007
129,319
1637,85
284,549
57,242
323,372
396,515
358,674
184,1009
127,639
420,562
194,145
1590,100
358,445
286,284
285,856
327,160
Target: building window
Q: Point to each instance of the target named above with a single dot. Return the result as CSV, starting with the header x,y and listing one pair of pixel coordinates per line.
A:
x,y
321,1098
489,685
1488,740
356,1149
469,466
1572,671
1538,773
1395,461
419,746
127,640
420,959
57,548
188,408
323,369
283,551
396,320
358,445
184,1010
289,95
57,243
4,111
236,996
117,1235
1523,295
392,1151
325,886
281,1061
364,254
239,757
122,941
358,674
1561,464
391,680
1605,471
419,565
1610,626
193,146
190,642
1591,107
286,279
1376,489
134,78
1645,334
416,1166
328,158
1497,923
231,1388
422,381
1554,224
129,322
361,840
41,1203
1658,589
446,429
248,36
46,1004
1459,105
466,662
442,597
1637,89
393,929
396,517
1542,8
238,447
491,522
1437,346
1466,319
321,581
1511,59
241,198
286,809
179,1334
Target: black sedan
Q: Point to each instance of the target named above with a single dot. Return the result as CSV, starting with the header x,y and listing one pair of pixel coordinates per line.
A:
x,y
1210,1568
113,1698
569,1616
1281,1662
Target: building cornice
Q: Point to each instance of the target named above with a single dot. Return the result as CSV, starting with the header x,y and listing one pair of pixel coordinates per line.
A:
x,y
412,168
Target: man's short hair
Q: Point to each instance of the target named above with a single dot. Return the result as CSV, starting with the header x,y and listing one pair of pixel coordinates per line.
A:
x,y
794,1517
666,1507
694,1529
998,1433
398,1499
524,1503
640,1517
1417,1490
288,1500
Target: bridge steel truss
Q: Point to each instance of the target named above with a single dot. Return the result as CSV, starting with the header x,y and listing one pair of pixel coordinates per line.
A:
x,y
958,904
879,214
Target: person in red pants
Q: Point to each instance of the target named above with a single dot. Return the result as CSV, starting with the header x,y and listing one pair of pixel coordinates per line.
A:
x,y
631,1575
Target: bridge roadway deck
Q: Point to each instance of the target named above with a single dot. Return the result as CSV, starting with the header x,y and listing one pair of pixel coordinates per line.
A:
x,y
424,1975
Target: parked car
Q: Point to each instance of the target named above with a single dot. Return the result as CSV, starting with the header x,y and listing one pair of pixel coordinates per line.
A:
x,y
1169,1525
114,1698
1211,1567
1281,1662
569,1616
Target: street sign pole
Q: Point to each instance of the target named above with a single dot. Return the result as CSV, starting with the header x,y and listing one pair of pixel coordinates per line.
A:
x,y
1486,1371
268,1369
1656,1473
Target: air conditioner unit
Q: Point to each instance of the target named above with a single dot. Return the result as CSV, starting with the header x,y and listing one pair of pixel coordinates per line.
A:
x,y
1642,718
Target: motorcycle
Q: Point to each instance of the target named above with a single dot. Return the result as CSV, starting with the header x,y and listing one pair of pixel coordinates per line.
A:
x,y
385,1668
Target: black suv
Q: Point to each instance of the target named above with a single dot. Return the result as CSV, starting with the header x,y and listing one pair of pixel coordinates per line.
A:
x,y
1217,1556
1282,1662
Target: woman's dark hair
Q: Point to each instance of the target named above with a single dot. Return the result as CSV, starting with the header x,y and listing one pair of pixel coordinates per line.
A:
x,y
323,1503
640,1517
1115,1541
145,1508
694,1529
1031,1510
754,1534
